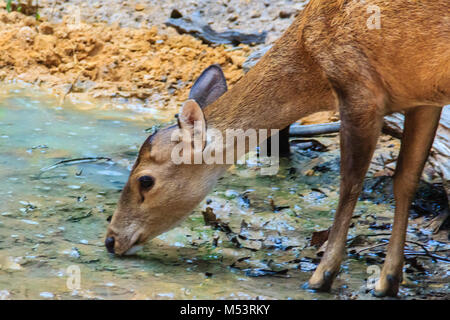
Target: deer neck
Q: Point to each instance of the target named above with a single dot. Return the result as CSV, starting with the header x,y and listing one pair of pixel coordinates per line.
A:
x,y
283,87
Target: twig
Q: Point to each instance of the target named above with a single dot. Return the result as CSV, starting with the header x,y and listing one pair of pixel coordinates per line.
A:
x,y
53,10
71,86
426,253
371,247
436,223
369,235
419,244
433,256
310,130
74,161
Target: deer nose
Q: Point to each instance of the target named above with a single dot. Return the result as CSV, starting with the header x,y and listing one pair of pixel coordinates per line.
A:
x,y
109,244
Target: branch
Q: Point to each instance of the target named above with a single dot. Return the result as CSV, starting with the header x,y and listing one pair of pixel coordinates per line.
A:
x,y
310,130
74,161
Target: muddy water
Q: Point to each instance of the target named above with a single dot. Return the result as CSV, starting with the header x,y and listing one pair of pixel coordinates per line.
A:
x,y
52,221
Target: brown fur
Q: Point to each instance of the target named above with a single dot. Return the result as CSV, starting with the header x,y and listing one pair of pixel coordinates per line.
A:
x,y
327,59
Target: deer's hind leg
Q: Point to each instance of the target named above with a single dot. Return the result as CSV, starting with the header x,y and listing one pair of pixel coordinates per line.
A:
x,y
360,128
283,143
418,135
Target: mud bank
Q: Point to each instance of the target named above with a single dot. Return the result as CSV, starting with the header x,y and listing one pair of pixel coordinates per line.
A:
x,y
107,61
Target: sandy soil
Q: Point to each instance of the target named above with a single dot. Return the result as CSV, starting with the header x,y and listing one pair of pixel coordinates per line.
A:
x,y
108,61
123,51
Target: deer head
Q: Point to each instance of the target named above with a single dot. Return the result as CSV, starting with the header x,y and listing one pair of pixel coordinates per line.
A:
x,y
159,193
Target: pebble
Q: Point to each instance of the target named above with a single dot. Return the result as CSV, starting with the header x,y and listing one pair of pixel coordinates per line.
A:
x,y
285,14
255,14
4,294
231,194
139,7
74,253
29,221
47,295
45,28
175,14
165,295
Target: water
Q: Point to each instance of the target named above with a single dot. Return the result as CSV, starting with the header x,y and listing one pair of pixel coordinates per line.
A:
x,y
52,222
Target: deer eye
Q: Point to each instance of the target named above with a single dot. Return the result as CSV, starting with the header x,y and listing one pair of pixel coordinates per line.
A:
x,y
146,182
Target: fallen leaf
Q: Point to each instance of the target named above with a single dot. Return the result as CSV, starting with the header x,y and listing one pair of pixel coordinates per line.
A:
x,y
319,237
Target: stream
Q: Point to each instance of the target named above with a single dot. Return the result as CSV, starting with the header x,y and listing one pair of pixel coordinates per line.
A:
x,y
53,218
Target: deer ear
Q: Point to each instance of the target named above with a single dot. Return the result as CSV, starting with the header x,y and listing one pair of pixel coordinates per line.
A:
x,y
192,119
209,86
189,114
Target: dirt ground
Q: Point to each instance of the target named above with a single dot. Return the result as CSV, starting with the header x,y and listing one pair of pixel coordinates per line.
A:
x,y
123,51
108,61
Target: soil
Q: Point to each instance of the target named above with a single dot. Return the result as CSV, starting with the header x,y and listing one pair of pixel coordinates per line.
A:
x,y
108,61
123,51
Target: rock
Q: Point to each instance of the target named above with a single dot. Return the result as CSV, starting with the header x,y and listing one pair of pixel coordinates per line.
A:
x,y
195,26
45,28
255,14
14,17
285,14
254,57
83,86
26,34
47,295
44,43
139,7
231,194
10,264
74,253
29,21
4,17
4,294
238,60
233,18
175,14
143,46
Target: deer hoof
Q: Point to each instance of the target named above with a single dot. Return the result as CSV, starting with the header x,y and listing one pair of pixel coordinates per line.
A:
x,y
323,285
387,287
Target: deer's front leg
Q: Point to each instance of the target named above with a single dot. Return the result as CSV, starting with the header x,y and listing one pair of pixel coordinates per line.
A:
x,y
359,134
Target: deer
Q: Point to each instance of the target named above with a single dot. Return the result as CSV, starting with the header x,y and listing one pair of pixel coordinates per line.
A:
x,y
327,60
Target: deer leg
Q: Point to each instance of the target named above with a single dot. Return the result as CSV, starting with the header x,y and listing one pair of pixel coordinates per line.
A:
x,y
285,149
418,134
283,142
358,138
